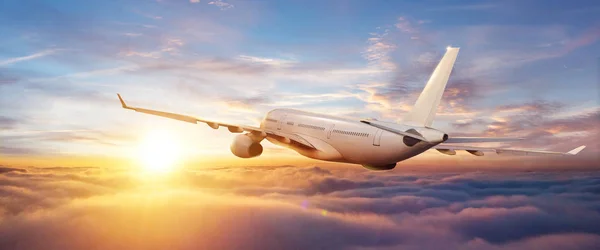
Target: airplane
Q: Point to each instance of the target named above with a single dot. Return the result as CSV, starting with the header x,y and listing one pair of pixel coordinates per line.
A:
x,y
376,145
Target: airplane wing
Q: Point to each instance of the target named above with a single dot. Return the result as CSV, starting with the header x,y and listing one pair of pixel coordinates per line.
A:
x,y
233,128
478,151
480,139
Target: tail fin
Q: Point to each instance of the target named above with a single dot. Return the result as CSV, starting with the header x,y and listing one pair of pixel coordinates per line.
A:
x,y
423,112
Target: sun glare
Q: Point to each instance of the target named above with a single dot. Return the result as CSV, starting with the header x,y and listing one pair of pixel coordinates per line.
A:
x,y
159,152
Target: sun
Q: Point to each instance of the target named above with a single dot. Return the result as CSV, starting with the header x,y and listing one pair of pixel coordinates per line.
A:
x,y
159,152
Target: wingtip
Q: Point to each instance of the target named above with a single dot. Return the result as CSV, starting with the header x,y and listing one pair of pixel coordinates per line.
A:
x,y
121,100
576,150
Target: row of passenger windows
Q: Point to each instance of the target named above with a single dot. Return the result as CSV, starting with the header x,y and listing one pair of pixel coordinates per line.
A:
x,y
350,133
343,132
310,126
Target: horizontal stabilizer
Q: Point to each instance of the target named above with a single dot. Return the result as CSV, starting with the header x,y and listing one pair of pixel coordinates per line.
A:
x,y
395,131
481,139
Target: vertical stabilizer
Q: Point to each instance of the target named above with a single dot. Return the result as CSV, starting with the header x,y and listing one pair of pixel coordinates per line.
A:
x,y
423,112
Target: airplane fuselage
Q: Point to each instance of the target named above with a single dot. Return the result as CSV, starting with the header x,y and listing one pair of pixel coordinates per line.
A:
x,y
342,140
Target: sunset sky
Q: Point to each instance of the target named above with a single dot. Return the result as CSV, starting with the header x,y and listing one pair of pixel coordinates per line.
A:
x,y
525,69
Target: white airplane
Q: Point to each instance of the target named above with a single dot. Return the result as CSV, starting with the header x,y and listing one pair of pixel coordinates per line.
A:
x,y
376,145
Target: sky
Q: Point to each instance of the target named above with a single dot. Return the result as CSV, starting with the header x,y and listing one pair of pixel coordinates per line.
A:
x,y
526,69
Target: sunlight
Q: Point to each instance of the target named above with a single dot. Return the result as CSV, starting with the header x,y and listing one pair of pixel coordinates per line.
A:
x,y
159,152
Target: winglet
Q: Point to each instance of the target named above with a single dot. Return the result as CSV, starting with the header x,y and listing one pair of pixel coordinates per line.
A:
x,y
123,102
576,151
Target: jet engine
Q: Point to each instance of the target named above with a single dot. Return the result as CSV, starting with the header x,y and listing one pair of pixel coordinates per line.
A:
x,y
382,167
244,146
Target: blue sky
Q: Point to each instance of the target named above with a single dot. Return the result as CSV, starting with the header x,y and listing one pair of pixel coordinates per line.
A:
x,y
526,68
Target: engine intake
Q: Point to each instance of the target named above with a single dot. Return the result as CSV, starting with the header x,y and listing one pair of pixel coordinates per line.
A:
x,y
244,146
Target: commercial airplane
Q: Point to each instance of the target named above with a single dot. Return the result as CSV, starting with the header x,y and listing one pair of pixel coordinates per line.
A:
x,y
374,144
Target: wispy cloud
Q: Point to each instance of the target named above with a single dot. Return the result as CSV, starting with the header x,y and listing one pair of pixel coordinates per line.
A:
x,y
405,26
10,61
222,5
7,122
264,60
378,51
466,7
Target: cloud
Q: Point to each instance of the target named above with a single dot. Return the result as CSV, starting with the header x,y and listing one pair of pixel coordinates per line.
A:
x,y
264,60
222,5
10,61
405,26
467,123
246,103
16,140
537,115
7,122
6,170
585,38
11,150
466,7
378,51
297,207
534,107
8,77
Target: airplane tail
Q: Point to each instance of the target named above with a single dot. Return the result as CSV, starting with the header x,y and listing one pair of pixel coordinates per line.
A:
x,y
424,110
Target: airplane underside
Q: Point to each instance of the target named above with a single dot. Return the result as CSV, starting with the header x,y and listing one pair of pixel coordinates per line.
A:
x,y
331,154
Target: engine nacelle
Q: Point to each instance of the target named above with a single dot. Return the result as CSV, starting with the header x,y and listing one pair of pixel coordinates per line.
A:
x,y
244,146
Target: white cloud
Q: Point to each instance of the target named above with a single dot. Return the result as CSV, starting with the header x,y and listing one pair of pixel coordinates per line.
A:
x,y
132,34
473,7
171,46
153,54
90,73
14,60
265,60
378,51
175,42
222,5
405,26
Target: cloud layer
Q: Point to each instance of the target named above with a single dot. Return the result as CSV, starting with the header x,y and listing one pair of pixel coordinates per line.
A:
x,y
301,208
